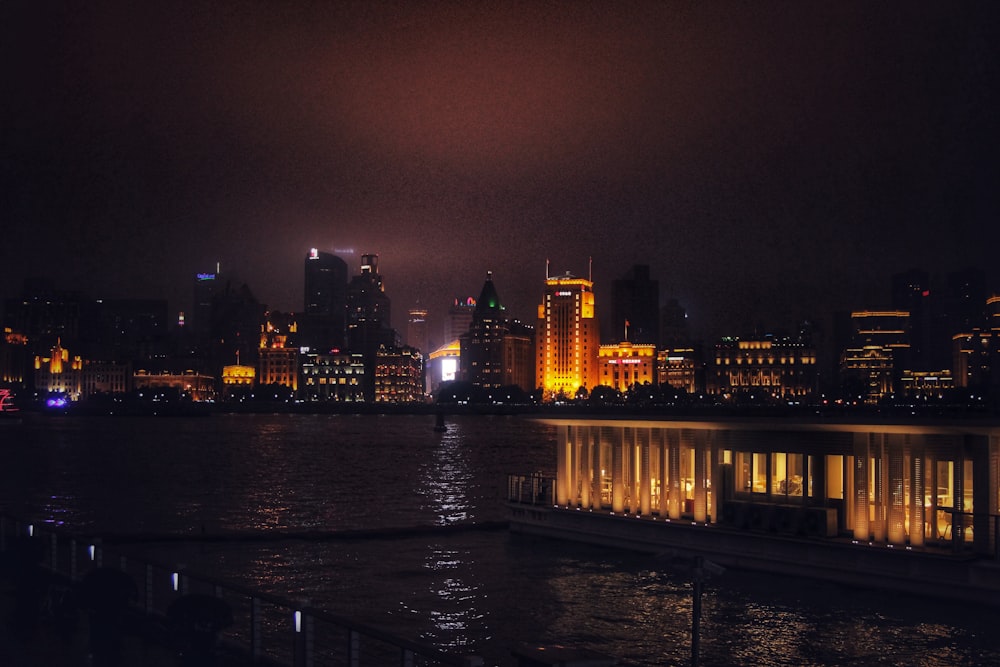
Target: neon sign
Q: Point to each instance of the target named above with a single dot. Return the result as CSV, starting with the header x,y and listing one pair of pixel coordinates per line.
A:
x,y
206,276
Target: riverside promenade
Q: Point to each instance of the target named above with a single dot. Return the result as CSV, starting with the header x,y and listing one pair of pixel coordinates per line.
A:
x,y
70,600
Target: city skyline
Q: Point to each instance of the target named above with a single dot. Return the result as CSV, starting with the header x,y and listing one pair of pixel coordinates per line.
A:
x,y
768,162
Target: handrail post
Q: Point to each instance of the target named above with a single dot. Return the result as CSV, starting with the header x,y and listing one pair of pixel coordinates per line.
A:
x,y
353,648
255,635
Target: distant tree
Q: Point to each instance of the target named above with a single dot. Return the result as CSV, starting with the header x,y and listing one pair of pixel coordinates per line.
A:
x,y
603,395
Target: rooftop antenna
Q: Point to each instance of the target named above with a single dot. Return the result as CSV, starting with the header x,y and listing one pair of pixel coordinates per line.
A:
x,y
590,269
546,268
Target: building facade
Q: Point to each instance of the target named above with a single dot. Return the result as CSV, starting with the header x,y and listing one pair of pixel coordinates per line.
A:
x,y
567,338
768,369
626,365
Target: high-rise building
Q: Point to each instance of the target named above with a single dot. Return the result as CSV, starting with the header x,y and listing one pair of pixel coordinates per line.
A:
x,y
324,321
459,318
635,305
496,351
416,329
567,338
673,325
369,326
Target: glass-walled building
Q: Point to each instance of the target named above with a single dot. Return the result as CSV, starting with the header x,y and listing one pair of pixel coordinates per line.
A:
x,y
900,485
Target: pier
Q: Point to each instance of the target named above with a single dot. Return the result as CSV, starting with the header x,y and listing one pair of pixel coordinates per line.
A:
x,y
72,597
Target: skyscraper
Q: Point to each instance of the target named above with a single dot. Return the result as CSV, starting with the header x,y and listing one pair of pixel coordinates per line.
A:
x,y
325,310
567,337
416,329
496,351
635,304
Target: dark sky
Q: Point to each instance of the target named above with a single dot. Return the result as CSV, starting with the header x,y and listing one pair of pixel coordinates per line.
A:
x,y
769,161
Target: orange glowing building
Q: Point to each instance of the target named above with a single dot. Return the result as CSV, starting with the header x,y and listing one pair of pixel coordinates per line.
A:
x,y
567,338
626,364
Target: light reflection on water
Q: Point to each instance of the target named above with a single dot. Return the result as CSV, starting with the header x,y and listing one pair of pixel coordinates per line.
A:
x,y
479,591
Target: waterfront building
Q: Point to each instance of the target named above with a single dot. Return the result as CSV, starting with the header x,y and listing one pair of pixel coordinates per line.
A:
x,y
928,488
872,365
15,361
926,385
106,377
567,338
238,380
324,321
207,285
674,331
635,304
59,373
496,351
338,377
188,385
766,369
626,364
399,375
278,356
680,368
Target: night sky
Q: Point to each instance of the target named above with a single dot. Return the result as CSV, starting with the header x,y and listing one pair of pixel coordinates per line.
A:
x,y
769,161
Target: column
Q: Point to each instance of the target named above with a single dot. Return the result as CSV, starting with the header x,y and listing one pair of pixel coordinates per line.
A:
x,y
862,527
617,470
645,481
563,459
661,442
917,492
896,496
586,460
595,470
877,450
674,454
701,469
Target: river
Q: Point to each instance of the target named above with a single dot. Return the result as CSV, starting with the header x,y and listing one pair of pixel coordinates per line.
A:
x,y
472,591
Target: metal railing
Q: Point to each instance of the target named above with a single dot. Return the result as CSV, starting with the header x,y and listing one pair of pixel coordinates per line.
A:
x,y
533,489
267,629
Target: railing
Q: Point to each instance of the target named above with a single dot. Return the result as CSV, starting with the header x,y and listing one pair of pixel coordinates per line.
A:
x,y
533,489
268,629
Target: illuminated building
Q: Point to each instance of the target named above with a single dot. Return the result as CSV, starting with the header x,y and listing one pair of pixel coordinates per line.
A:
x,y
416,329
278,358
635,299
680,368
15,361
399,376
189,384
626,364
324,321
59,374
768,369
976,352
496,351
337,377
567,338
237,380
926,385
872,365
902,494
369,318
442,364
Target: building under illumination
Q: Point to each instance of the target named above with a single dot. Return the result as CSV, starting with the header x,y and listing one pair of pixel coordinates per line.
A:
x,y
278,357
626,364
680,368
399,375
189,384
567,338
872,366
59,373
338,377
767,369
912,501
